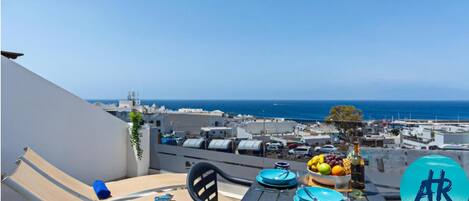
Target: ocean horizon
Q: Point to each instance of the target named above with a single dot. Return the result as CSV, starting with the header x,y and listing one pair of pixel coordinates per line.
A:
x,y
317,110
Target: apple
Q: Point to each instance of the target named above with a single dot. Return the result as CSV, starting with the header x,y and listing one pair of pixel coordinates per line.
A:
x,y
324,169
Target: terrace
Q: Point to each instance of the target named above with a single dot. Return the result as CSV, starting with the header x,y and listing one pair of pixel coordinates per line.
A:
x,y
81,143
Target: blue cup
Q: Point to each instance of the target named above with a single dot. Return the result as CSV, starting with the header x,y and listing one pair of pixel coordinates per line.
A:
x,y
282,165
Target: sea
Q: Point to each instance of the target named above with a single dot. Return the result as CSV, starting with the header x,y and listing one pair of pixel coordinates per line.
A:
x,y
317,110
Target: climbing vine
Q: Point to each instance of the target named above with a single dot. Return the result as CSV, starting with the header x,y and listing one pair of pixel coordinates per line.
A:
x,y
136,119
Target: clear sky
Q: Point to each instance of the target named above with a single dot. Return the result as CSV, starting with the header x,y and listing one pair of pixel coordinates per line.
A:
x,y
245,49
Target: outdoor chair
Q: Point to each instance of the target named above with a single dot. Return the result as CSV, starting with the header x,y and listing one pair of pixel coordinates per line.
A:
x,y
202,181
130,187
33,186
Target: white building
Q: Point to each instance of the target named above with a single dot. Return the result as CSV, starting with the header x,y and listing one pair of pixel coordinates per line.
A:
x,y
429,131
459,138
316,139
131,101
190,122
216,132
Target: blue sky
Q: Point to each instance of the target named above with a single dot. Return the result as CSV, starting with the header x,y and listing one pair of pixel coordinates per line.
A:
x,y
246,49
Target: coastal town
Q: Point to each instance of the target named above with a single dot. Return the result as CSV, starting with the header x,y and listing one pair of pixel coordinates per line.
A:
x,y
147,141
234,101
284,138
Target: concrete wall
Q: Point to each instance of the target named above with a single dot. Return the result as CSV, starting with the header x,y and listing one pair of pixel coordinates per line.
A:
x,y
77,137
456,138
135,166
386,178
270,127
188,122
176,159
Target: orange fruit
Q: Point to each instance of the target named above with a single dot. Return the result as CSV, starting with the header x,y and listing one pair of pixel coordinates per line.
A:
x,y
338,170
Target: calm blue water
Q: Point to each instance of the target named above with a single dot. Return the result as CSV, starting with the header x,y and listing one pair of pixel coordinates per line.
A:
x,y
317,110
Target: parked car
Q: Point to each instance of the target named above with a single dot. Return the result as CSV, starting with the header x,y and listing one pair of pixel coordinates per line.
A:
x,y
292,145
300,151
273,147
327,149
317,148
278,144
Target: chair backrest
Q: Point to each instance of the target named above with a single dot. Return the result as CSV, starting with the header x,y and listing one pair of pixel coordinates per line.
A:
x,y
202,182
57,176
33,186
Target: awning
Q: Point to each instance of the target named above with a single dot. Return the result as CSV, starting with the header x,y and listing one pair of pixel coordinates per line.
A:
x,y
255,145
219,144
193,143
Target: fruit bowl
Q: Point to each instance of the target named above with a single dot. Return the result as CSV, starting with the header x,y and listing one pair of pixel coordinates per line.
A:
x,y
329,180
329,169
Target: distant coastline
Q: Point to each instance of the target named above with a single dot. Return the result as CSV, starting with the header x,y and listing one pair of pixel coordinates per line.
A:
x,y
316,110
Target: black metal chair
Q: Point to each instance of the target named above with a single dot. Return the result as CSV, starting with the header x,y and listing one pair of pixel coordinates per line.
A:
x,y
202,181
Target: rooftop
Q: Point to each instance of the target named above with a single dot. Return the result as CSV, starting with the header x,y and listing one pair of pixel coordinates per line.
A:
x,y
94,145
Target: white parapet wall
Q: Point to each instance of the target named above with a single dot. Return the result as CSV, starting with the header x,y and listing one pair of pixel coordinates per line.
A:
x,y
135,166
77,137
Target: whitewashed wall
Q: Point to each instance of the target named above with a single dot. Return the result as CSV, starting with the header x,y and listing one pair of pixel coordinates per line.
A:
x,y
270,127
135,166
77,137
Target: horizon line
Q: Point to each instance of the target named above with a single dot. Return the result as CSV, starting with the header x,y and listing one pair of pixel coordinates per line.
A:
x,y
196,99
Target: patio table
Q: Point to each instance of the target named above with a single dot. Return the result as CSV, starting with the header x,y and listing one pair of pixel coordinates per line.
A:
x,y
178,195
260,192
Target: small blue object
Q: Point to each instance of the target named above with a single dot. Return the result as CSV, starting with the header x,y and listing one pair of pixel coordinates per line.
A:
x,y
168,140
165,197
101,190
321,194
292,183
277,176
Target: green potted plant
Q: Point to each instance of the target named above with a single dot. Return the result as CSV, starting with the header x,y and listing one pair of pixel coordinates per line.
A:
x,y
136,119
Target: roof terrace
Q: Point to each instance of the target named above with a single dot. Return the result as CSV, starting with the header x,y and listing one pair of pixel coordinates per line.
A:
x,y
79,152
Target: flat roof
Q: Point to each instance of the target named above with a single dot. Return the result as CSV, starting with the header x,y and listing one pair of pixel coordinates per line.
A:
x,y
215,128
316,137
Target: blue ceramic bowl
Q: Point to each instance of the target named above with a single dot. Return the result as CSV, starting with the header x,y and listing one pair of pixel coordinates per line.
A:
x,y
290,184
321,194
277,176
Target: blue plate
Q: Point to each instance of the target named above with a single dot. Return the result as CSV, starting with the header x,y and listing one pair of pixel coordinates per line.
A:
x,y
321,194
296,198
287,185
277,176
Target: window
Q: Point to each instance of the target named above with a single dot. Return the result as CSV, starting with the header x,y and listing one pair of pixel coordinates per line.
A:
x,y
158,123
